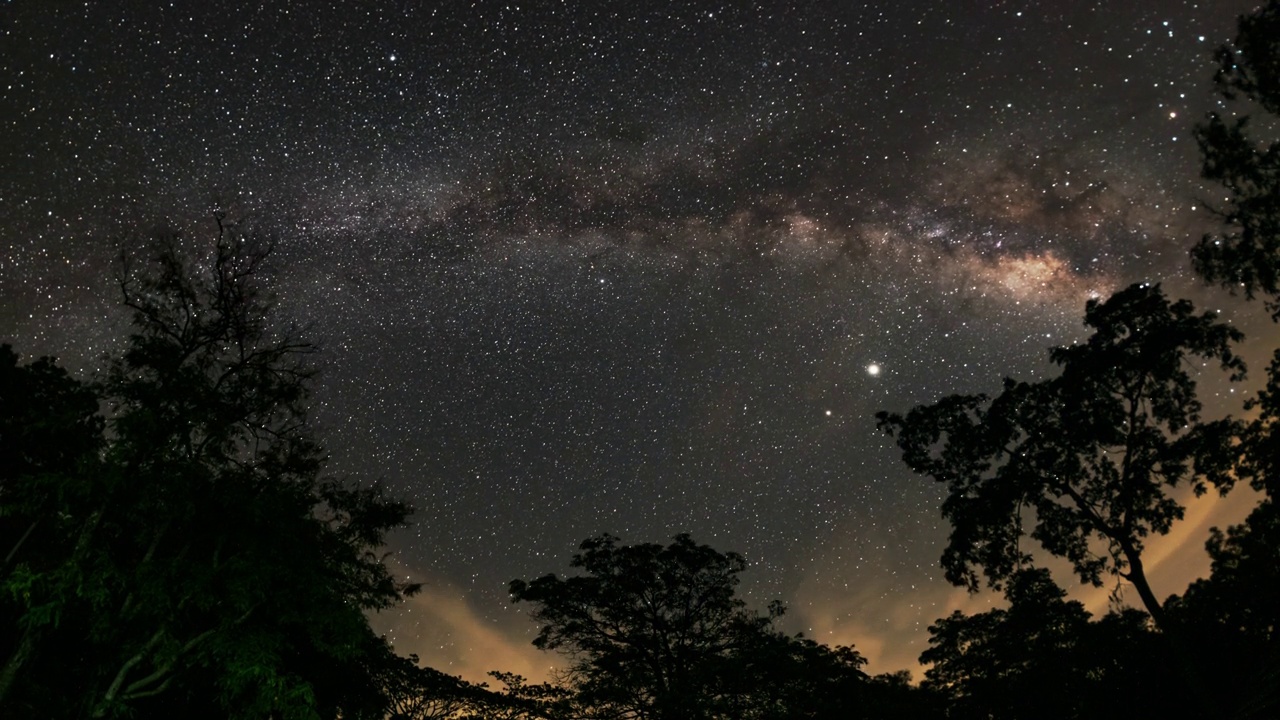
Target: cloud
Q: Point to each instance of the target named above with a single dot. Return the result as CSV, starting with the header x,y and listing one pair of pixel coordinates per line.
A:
x,y
447,633
884,610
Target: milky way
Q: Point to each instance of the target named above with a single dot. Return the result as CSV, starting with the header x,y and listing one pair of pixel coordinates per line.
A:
x,y
625,267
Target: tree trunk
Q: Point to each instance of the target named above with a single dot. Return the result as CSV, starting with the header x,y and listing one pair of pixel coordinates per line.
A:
x,y
25,646
122,674
18,545
1182,654
1138,577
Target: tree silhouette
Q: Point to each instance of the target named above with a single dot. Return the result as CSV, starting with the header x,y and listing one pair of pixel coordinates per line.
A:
x,y
1246,254
1088,458
1235,608
650,630
1043,657
657,632
50,437
206,561
1235,612
1014,662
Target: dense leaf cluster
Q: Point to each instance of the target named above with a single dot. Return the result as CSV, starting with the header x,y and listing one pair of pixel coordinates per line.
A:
x,y
182,548
1045,657
658,632
1090,458
1246,254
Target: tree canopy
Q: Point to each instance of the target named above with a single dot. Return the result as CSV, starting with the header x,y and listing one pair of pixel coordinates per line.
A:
x,y
186,548
1045,657
1088,459
658,632
649,629
1234,611
1245,254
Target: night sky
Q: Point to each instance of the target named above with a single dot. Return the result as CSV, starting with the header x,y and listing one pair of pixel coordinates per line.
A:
x,y
631,267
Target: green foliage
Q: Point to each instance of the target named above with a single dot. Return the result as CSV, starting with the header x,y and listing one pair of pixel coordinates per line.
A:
x,y
197,554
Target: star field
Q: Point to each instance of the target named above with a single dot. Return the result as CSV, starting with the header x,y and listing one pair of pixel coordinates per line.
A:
x,y
639,268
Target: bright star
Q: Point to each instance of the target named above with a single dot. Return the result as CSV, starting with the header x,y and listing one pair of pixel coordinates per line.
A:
x,y
873,369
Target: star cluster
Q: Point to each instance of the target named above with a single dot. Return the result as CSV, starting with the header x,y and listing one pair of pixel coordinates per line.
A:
x,y
639,268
